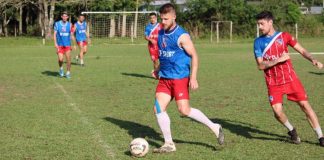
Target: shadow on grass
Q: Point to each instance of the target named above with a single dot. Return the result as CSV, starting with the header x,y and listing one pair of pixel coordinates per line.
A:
x,y
138,130
137,75
51,73
245,130
317,73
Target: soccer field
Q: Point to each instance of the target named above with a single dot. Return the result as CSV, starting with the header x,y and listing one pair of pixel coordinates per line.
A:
x,y
106,104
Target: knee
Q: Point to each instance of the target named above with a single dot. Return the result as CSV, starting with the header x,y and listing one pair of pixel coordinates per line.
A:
x,y
184,111
305,107
277,113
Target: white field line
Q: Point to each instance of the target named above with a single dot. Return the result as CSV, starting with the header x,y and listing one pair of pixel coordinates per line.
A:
x,y
85,121
144,56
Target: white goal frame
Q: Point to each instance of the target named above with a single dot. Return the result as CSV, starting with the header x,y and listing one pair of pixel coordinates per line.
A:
x,y
134,26
217,30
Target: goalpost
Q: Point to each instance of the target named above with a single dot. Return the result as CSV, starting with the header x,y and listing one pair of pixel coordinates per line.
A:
x,y
127,25
224,26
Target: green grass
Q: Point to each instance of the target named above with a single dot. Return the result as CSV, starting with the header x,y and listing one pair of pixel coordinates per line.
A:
x,y
109,102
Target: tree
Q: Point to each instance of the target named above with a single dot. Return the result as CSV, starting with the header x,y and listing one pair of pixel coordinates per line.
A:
x,y
7,9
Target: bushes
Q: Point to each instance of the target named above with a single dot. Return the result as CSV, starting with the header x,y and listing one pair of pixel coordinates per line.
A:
x,y
309,25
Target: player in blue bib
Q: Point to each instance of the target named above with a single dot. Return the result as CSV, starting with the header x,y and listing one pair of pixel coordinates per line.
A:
x,y
178,71
62,42
81,37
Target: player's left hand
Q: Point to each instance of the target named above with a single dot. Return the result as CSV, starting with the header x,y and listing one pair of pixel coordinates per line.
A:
x,y
318,64
193,84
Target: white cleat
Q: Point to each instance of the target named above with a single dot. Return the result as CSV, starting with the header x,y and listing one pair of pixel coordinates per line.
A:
x,y
166,148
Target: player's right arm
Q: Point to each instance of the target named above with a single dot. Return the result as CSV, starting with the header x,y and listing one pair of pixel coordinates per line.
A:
x,y
151,40
147,36
55,32
263,65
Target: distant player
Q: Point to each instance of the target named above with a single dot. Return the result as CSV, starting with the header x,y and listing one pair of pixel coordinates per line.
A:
x,y
81,37
151,35
62,42
271,54
177,54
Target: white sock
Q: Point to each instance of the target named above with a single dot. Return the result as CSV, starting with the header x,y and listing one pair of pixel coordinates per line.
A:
x,y
164,123
288,126
81,61
319,132
68,72
201,117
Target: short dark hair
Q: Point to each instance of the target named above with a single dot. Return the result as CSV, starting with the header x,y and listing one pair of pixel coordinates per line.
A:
x,y
167,8
152,14
64,12
81,15
265,15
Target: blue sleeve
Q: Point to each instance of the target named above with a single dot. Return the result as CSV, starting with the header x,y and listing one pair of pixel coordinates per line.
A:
x,y
147,31
257,49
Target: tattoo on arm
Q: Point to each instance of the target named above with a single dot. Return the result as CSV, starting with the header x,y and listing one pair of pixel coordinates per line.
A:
x,y
268,64
308,56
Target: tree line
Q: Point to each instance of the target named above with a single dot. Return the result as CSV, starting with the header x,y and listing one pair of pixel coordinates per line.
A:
x,y
36,17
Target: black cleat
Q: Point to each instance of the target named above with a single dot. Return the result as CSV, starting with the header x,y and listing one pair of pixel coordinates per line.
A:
x,y
294,136
321,141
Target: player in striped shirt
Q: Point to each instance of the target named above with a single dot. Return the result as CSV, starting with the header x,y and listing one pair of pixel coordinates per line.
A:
x,y
272,56
151,35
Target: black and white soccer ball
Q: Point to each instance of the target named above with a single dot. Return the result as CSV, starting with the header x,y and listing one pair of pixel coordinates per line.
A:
x,y
139,147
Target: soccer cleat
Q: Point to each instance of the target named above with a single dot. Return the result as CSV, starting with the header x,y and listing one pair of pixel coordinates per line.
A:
x,y
68,76
321,141
294,136
82,65
61,72
166,148
220,137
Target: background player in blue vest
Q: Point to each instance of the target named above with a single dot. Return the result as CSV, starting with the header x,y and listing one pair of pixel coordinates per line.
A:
x,y
177,54
62,42
81,37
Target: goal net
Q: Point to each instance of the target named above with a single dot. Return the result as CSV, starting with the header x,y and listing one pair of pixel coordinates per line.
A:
x,y
221,31
121,27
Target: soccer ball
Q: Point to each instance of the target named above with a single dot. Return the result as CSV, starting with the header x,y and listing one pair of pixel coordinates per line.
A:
x,y
139,147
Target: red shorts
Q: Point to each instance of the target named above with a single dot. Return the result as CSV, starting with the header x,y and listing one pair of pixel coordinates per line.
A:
x,y
82,43
177,88
294,91
63,49
154,52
